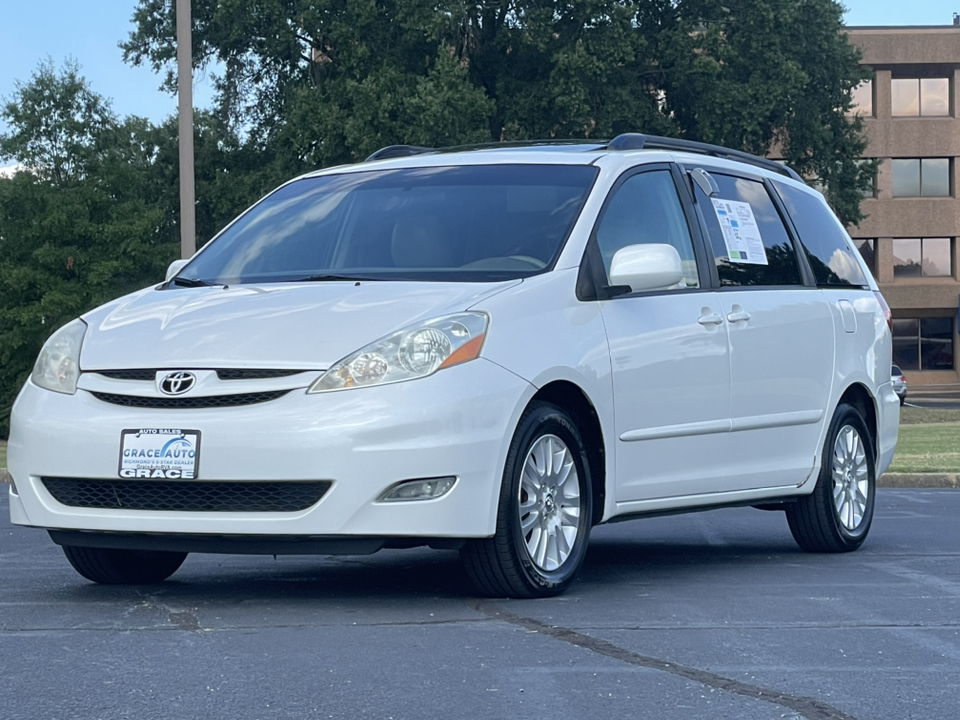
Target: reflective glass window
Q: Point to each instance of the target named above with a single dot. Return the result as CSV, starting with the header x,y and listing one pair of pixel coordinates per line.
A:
x,y
906,343
779,264
906,177
824,241
934,96
921,177
646,209
862,97
905,97
934,177
936,343
906,257
937,257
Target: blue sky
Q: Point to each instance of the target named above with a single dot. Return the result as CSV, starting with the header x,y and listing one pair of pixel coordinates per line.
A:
x,y
30,31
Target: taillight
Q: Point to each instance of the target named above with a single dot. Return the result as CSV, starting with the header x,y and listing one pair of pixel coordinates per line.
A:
x,y
886,309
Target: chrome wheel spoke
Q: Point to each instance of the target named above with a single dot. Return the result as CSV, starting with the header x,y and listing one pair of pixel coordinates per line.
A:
x,y
549,502
851,477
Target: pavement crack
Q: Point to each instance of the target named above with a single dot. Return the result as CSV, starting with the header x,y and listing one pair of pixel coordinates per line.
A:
x,y
810,708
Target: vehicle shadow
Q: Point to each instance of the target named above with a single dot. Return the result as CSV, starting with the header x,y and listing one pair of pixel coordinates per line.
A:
x,y
417,576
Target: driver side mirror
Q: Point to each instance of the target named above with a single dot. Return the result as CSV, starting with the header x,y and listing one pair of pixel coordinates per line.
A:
x,y
646,267
175,267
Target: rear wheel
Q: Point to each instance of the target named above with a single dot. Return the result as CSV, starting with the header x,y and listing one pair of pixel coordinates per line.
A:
x,y
836,517
110,566
544,512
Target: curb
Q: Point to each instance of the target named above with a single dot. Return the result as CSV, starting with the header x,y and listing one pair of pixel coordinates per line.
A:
x,y
887,480
919,480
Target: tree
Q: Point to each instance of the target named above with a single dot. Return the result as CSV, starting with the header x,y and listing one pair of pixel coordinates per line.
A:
x,y
319,82
82,223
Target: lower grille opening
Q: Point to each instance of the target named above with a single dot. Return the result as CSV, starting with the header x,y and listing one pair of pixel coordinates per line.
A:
x,y
186,495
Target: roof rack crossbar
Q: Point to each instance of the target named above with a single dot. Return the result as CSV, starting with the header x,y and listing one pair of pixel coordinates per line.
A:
x,y
640,141
395,151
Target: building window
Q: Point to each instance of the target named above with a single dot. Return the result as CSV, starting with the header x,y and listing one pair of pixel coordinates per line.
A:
x,y
872,190
862,97
915,97
922,257
923,343
868,251
921,177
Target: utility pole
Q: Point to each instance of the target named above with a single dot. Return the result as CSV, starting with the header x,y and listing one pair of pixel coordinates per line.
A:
x,y
188,223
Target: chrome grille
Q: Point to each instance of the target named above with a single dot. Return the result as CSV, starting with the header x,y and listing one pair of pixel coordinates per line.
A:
x,y
186,495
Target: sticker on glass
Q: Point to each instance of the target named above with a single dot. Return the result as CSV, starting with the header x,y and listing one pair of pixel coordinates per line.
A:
x,y
741,234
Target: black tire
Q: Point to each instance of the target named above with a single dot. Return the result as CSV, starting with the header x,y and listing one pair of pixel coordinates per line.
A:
x,y
108,566
502,566
815,519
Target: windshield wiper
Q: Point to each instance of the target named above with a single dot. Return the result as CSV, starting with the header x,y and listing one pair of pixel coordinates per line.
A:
x,y
328,277
193,282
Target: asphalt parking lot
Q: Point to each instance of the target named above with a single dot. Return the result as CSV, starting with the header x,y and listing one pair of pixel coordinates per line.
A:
x,y
713,615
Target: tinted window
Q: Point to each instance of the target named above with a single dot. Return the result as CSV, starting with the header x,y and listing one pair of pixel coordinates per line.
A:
x,y
752,247
823,240
474,223
646,209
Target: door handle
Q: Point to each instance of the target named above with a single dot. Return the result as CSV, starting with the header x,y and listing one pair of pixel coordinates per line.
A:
x,y
738,314
712,319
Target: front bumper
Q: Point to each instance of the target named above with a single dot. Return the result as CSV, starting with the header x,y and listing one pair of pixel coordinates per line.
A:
x,y
457,422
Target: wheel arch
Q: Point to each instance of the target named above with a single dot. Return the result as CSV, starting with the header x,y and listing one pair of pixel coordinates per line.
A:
x,y
572,399
860,397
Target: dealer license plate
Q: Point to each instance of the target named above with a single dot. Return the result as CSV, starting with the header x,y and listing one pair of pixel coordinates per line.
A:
x,y
170,454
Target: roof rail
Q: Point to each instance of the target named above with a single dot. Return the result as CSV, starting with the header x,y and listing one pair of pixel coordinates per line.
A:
x,y
639,141
395,151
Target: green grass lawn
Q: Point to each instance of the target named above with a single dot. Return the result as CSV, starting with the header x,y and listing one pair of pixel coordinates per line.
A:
x,y
3,454
928,447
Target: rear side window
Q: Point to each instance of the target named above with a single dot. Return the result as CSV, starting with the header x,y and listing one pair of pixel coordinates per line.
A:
x,y
825,244
750,243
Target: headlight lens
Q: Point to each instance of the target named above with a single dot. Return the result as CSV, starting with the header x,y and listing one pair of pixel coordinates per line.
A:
x,y
58,366
413,352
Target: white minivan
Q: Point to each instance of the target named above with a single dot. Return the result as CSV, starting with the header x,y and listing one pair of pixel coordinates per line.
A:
x,y
490,349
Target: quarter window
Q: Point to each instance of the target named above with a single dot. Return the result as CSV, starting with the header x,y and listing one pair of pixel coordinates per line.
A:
x,y
752,246
646,209
824,241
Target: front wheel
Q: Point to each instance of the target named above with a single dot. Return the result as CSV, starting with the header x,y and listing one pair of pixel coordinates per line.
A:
x,y
544,512
836,517
110,566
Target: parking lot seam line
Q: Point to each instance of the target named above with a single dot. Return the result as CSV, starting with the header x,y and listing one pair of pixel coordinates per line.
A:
x,y
809,708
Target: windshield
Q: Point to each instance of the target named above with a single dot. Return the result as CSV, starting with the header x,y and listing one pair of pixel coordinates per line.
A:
x,y
470,223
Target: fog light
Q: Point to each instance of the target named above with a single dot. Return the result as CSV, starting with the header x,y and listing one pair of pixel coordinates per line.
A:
x,y
13,484
423,489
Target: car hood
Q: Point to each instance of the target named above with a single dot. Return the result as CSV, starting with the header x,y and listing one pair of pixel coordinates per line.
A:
x,y
302,326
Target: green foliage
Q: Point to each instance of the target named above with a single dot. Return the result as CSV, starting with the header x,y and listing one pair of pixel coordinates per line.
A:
x,y
94,214
321,82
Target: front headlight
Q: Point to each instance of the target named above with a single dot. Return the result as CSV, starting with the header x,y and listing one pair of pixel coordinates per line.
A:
x,y
414,352
58,366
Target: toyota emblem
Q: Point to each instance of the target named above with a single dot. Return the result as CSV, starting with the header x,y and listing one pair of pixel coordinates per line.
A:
x,y
178,383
